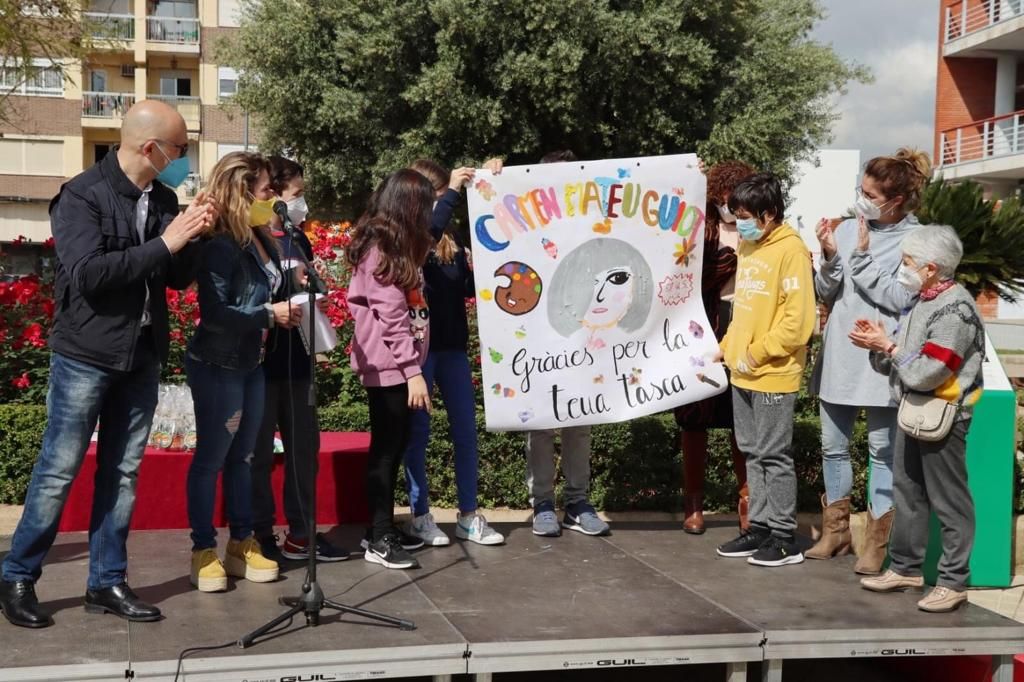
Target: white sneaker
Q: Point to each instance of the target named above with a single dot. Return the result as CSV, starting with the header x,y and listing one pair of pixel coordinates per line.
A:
x,y
477,531
425,529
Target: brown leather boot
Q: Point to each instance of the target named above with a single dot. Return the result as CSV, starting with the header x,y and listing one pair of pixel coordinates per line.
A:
x,y
835,530
743,507
693,507
876,542
694,445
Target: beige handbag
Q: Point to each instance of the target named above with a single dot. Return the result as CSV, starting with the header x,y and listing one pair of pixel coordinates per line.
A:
x,y
925,417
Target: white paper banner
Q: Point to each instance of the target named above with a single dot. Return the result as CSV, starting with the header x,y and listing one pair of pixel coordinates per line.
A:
x,y
584,315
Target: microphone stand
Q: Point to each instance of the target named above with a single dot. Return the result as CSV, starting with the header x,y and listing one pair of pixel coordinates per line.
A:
x,y
312,600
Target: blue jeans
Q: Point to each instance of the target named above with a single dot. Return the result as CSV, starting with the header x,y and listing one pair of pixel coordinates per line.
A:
x,y
229,410
78,395
836,429
451,371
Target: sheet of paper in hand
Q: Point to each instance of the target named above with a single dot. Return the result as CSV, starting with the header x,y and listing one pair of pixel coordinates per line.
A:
x,y
588,291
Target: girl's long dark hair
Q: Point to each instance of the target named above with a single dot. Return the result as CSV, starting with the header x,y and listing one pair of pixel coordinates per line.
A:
x,y
397,222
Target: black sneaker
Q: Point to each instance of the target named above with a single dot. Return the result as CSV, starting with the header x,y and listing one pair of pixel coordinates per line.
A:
x,y
745,544
389,553
777,552
408,542
297,549
269,548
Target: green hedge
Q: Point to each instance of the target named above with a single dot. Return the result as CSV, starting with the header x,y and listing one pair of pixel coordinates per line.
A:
x,y
21,434
635,465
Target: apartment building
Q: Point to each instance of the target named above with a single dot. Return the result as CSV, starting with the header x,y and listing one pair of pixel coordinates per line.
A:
x,y
979,106
144,49
979,101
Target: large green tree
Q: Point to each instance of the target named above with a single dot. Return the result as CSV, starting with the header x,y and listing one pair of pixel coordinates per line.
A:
x,y
356,88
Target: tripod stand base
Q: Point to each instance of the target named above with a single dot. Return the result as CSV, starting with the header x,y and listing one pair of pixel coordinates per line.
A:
x,y
311,603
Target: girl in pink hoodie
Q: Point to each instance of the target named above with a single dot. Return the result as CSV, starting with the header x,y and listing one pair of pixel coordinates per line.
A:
x,y
389,245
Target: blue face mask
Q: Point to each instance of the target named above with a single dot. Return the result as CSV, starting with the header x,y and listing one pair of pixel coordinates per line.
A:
x,y
175,172
748,229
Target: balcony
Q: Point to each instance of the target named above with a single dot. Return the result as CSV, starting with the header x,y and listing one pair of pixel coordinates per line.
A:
x,y
105,109
190,108
983,29
992,148
172,34
116,28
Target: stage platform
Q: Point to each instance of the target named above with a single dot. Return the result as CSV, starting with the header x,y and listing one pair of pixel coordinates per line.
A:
x,y
646,596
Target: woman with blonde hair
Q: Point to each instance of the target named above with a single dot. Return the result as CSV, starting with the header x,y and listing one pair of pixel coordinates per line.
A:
x,y
240,276
857,279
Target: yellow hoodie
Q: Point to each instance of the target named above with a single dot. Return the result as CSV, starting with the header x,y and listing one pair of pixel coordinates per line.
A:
x,y
773,313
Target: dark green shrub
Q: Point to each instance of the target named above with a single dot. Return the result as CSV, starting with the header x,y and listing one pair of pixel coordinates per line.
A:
x,y
635,465
21,434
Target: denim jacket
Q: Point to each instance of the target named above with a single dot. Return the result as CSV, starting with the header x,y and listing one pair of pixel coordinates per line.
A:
x,y
234,302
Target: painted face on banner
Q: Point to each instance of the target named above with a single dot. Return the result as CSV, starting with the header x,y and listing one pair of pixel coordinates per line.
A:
x,y
613,294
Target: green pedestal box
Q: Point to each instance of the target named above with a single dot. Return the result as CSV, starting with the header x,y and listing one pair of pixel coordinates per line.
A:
x,y
990,457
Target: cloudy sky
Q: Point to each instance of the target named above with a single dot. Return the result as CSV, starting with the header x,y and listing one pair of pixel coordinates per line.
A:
x,y
898,41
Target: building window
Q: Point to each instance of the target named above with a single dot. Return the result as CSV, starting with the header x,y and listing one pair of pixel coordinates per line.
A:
x,y
225,149
227,79
30,156
175,84
229,13
46,79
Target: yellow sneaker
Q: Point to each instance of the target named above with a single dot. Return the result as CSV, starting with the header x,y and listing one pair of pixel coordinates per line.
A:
x,y
244,559
207,571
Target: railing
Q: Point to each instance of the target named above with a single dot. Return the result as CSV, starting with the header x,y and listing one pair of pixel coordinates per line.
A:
x,y
107,26
188,107
987,139
106,104
971,16
178,30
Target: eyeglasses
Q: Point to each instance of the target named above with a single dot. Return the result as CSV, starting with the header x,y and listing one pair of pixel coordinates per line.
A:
x,y
182,148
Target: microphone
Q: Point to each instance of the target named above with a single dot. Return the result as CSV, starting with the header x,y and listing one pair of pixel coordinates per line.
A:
x,y
315,283
281,209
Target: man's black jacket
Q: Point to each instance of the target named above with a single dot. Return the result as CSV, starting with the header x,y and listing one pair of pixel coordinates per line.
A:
x,y
103,267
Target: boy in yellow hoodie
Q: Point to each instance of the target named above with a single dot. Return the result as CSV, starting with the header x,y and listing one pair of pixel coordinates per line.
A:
x,y
766,349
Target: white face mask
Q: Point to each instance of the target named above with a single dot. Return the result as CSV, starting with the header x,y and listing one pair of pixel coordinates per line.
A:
x,y
297,210
910,278
726,214
868,208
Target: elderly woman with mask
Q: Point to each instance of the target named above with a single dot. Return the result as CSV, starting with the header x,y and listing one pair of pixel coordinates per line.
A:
x,y
936,352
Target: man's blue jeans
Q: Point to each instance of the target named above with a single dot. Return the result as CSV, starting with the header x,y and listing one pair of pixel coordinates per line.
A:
x,y
78,395
229,411
450,369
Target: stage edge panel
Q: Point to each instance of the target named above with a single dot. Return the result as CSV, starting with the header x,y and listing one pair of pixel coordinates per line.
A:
x,y
352,664
72,673
962,641
631,652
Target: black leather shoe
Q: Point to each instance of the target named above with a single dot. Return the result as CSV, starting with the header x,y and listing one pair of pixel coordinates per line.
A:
x,y
120,601
19,603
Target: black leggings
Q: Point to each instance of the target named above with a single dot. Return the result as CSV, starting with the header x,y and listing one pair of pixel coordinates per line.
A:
x,y
389,436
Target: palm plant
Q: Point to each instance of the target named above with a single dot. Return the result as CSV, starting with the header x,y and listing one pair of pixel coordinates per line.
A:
x,y
992,233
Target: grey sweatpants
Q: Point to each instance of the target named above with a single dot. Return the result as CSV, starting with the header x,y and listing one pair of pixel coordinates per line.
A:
x,y
763,423
540,464
932,476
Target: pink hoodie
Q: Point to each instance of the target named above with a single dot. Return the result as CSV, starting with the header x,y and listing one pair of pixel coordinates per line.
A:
x,y
389,345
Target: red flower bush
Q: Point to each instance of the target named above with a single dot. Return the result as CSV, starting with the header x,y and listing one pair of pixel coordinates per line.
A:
x,y
26,311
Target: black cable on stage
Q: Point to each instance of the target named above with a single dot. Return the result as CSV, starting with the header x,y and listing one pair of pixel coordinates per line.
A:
x,y
185,653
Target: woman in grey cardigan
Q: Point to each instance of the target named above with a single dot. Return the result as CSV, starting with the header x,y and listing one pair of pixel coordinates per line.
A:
x,y
857,279
938,350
